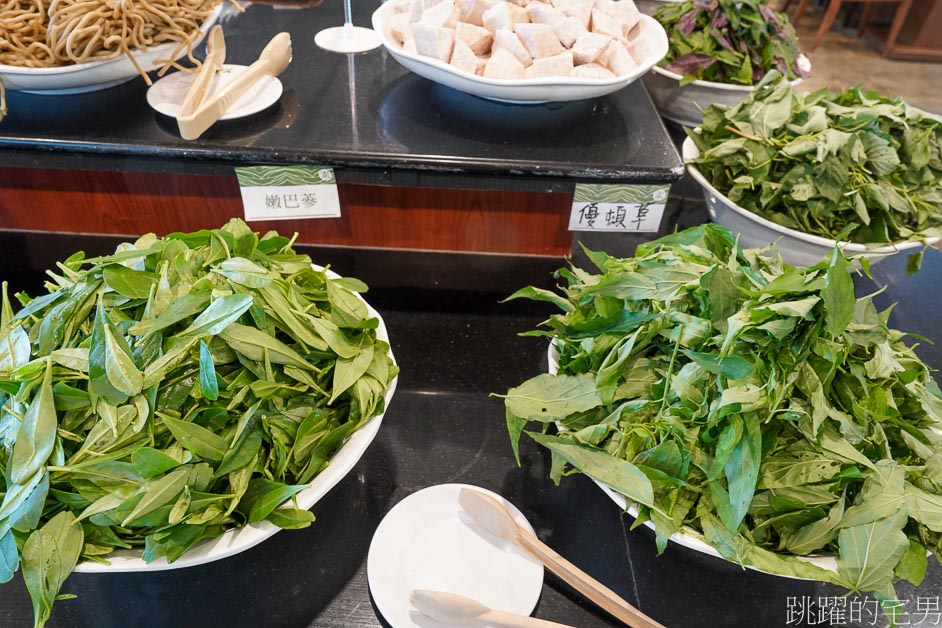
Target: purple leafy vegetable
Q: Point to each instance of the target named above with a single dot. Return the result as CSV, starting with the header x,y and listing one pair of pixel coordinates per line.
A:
x,y
691,63
728,41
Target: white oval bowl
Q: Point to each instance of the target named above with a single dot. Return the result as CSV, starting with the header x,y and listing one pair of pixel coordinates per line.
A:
x,y
240,539
688,537
95,75
684,104
796,247
518,91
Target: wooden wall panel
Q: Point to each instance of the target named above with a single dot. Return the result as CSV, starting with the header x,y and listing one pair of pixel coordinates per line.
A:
x,y
400,218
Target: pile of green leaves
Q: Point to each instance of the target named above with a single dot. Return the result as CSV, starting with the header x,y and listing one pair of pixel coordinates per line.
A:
x,y
755,405
728,41
853,165
162,395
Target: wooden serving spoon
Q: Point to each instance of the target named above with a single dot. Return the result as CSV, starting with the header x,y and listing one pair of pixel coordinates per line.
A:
x,y
273,61
451,608
491,515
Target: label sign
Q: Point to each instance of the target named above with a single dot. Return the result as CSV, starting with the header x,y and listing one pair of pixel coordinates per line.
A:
x,y
628,208
288,192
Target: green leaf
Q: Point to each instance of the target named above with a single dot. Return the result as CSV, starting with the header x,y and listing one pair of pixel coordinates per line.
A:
x,y
209,386
870,552
181,309
291,518
255,345
838,295
49,556
914,563
731,367
9,557
36,436
221,313
348,370
515,427
263,496
549,398
619,475
150,463
742,471
540,294
196,438
158,492
130,283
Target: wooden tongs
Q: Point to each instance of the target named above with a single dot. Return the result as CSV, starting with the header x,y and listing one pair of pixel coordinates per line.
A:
x,y
492,516
198,112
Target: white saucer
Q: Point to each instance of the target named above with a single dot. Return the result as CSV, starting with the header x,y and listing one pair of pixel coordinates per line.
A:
x,y
166,95
427,541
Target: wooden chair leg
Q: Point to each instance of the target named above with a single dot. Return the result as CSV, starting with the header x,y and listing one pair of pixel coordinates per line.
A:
x,y
785,6
802,7
864,19
827,21
901,12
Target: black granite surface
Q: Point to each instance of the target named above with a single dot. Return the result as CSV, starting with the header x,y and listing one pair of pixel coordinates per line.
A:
x,y
363,112
457,344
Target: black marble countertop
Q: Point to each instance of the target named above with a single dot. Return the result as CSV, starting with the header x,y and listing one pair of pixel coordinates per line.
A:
x,y
456,344
364,113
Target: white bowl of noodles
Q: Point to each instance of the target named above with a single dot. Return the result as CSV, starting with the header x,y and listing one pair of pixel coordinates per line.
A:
x,y
89,76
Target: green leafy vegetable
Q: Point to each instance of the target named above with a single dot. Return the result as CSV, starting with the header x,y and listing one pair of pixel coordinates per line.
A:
x,y
176,389
853,166
728,41
758,406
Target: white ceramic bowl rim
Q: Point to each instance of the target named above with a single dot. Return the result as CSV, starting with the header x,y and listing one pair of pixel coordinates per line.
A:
x,y
729,87
649,63
155,52
690,151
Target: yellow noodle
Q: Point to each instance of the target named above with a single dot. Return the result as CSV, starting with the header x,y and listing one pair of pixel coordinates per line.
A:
x,y
43,33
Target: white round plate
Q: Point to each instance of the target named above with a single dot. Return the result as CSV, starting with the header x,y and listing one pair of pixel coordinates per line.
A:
x,y
519,91
689,537
240,539
428,542
166,95
94,75
347,39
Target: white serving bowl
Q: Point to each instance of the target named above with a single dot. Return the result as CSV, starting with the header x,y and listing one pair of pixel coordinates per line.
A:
x,y
95,75
687,537
796,247
520,91
684,104
240,539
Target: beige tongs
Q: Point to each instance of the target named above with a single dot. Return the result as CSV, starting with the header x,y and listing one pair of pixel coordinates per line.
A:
x,y
215,57
273,61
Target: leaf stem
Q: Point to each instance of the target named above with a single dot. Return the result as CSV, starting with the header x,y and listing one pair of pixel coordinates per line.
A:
x,y
736,131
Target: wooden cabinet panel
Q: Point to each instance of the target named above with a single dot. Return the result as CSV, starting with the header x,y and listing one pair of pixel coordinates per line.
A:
x,y
131,203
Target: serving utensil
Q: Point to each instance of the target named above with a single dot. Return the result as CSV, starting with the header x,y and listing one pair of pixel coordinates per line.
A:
x,y
273,61
491,515
215,57
451,608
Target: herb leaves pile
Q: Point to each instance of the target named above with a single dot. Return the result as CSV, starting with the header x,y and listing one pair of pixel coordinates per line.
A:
x,y
756,405
162,395
854,165
727,41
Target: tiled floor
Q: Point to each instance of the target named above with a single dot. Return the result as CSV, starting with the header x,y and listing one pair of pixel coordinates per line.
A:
x,y
843,60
